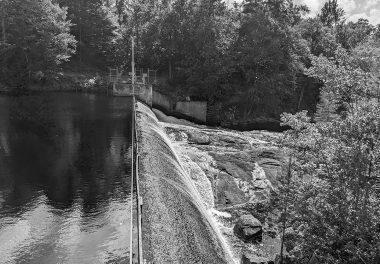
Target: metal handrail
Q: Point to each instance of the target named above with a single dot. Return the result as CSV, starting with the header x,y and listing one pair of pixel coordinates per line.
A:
x,y
136,177
132,189
139,198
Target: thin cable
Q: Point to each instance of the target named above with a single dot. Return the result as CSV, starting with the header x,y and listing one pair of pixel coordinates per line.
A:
x,y
139,198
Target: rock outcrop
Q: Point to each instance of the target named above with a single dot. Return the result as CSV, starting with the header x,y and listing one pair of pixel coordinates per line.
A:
x,y
249,229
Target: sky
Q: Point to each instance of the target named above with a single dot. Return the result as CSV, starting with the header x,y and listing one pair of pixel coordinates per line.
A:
x,y
355,9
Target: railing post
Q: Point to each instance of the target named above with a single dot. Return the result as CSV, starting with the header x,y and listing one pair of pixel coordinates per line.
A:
x,y
133,65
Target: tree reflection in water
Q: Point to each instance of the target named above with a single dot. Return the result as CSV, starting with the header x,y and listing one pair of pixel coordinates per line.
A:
x,y
64,156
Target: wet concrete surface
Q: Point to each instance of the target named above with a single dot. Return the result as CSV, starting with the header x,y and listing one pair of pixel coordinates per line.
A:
x,y
177,227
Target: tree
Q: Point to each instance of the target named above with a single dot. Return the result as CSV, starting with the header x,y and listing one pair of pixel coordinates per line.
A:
x,y
352,34
321,39
331,13
346,79
36,37
268,57
187,42
95,29
143,20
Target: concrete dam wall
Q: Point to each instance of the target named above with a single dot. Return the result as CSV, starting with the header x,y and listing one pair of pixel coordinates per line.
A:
x,y
142,92
177,227
196,111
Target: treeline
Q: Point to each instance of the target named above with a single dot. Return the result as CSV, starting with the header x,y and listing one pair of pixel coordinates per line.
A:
x,y
251,56
330,196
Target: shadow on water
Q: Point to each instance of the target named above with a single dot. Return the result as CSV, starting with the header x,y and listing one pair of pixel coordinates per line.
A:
x,y
67,153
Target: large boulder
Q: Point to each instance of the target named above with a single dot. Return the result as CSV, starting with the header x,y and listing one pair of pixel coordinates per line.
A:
x,y
227,192
260,180
235,166
249,229
199,138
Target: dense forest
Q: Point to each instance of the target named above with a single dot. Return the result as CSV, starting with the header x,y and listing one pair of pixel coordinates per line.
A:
x,y
260,59
256,53
255,57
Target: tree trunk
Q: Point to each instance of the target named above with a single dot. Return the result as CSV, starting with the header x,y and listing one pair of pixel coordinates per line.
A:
x,y
368,184
27,65
301,98
80,34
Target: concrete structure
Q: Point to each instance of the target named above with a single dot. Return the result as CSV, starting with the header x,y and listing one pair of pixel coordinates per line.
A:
x,y
143,92
194,109
161,101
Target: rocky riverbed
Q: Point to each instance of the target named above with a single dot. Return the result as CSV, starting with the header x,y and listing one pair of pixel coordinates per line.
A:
x,y
237,175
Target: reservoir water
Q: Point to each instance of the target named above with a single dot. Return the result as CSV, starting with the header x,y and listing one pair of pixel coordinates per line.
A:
x,y
64,179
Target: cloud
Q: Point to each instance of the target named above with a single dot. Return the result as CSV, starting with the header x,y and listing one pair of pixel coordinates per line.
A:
x,y
348,5
371,3
373,17
314,5
354,9
356,17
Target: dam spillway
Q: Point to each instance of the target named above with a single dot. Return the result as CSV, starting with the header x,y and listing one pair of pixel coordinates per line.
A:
x,y
176,225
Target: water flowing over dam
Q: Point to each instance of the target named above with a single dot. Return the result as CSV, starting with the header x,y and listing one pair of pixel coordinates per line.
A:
x,y
177,228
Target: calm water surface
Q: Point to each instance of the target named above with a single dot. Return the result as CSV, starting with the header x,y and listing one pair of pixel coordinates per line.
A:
x,y
64,179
